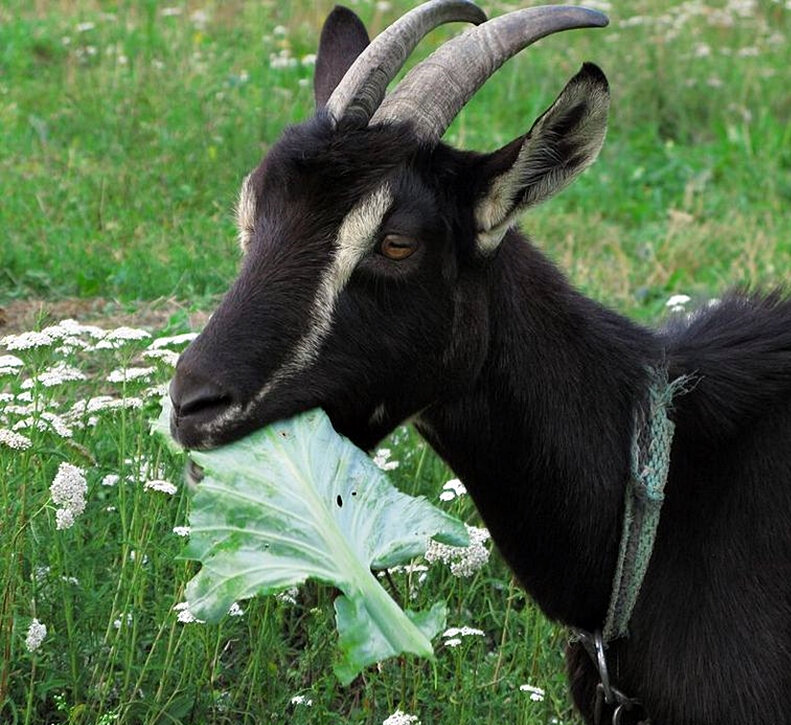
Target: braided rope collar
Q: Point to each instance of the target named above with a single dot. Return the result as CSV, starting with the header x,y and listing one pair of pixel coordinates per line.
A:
x,y
645,493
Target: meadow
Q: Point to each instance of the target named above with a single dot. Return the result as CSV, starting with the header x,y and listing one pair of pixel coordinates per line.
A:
x,y
125,131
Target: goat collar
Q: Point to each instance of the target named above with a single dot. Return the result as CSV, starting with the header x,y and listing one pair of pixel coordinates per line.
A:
x,y
645,492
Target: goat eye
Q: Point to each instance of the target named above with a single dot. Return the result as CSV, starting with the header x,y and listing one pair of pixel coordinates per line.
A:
x,y
394,246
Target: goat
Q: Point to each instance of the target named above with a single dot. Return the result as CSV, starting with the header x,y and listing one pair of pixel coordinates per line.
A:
x,y
383,280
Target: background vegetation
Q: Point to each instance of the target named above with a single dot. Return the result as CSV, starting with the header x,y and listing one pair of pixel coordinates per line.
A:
x,y
125,130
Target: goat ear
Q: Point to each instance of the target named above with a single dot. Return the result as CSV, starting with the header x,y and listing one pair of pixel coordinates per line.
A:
x,y
562,143
343,38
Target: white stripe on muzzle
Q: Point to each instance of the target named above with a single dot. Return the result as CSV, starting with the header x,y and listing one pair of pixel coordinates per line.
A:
x,y
355,237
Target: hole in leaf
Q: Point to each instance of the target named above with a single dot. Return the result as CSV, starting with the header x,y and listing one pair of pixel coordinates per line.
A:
x,y
339,501
354,493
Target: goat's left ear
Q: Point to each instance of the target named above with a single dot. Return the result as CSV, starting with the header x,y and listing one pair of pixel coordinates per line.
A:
x,y
562,143
343,38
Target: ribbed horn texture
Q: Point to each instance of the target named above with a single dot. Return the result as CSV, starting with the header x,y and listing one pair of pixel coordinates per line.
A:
x,y
363,87
434,91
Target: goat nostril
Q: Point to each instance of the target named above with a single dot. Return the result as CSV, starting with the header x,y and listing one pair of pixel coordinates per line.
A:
x,y
200,399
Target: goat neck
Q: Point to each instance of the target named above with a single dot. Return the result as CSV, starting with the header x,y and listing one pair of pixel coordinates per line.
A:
x,y
541,435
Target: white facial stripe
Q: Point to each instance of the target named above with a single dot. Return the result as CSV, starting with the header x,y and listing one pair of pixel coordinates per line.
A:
x,y
355,237
245,212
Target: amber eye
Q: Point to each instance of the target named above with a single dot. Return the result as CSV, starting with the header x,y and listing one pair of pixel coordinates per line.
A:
x,y
394,246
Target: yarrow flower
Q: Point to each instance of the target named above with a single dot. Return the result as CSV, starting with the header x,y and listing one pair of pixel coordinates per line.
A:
x,y
56,375
536,693
35,635
10,364
463,561
181,530
453,635
185,616
68,491
173,341
381,460
452,489
14,440
676,303
301,700
122,375
158,484
401,718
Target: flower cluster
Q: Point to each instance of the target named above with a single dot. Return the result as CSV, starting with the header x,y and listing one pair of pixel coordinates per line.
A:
x,y
36,633
401,718
453,636
463,561
452,489
68,491
382,459
536,693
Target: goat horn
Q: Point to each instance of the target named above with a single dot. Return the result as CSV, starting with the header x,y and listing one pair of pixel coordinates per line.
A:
x,y
363,87
454,72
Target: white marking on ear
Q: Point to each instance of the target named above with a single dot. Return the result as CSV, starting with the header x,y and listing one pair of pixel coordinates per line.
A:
x,y
540,170
245,212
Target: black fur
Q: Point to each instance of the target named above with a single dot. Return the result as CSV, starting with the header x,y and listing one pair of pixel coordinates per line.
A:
x,y
528,390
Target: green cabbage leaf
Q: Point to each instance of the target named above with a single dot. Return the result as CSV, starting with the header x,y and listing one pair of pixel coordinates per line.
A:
x,y
295,501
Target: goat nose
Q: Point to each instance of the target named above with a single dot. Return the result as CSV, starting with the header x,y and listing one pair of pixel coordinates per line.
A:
x,y
193,397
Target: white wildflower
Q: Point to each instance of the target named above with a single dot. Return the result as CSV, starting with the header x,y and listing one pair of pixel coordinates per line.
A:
x,y
84,27
64,519
170,12
10,361
158,484
452,489
676,303
45,422
185,616
453,642
172,341
536,693
56,375
401,718
289,596
110,479
463,632
381,460
118,623
121,375
301,700
14,440
308,60
28,340
181,530
384,5
169,357
35,635
280,30
463,561
235,610
69,487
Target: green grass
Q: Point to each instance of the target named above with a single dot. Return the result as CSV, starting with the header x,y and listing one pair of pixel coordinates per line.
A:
x,y
124,135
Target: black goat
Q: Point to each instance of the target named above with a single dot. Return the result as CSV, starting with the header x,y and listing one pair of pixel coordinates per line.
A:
x,y
383,280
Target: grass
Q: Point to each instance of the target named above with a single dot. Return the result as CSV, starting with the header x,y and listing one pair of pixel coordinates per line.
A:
x,y
125,131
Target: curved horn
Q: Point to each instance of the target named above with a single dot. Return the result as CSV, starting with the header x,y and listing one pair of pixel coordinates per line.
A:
x,y
363,87
455,71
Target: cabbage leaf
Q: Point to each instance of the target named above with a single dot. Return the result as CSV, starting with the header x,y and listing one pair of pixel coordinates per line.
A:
x,y
295,501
